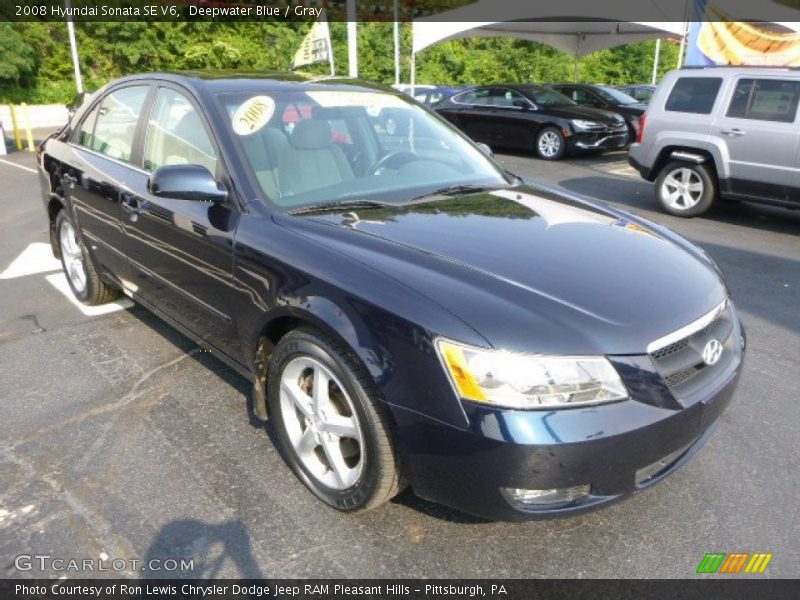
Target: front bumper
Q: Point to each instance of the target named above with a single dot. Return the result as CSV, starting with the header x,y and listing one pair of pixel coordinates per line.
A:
x,y
606,447
604,140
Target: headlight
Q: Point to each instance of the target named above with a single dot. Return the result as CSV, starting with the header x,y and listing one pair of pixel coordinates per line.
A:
x,y
583,124
529,380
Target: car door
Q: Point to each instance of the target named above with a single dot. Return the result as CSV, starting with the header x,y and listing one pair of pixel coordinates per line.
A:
x,y
471,112
760,131
181,251
510,111
97,164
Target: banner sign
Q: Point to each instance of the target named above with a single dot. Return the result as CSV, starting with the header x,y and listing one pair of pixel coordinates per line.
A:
x,y
316,46
713,40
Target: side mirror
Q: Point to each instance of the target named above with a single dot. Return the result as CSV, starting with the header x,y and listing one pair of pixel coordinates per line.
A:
x,y
186,182
485,149
520,104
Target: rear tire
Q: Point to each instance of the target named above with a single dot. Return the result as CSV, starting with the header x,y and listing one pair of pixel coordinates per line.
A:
x,y
686,189
550,144
81,273
335,435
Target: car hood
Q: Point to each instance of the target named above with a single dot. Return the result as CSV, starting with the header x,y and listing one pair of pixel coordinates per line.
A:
x,y
531,270
581,112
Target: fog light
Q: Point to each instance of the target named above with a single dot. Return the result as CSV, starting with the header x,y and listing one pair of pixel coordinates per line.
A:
x,y
544,499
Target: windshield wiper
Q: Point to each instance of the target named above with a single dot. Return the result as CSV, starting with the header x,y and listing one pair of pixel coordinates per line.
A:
x,y
458,189
335,206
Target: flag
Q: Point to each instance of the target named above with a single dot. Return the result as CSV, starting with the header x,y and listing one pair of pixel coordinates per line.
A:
x,y
316,46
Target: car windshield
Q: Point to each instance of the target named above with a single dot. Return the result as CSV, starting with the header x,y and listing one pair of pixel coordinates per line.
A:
x,y
337,146
614,96
543,96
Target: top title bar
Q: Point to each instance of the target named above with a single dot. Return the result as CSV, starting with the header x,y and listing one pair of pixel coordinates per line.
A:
x,y
486,11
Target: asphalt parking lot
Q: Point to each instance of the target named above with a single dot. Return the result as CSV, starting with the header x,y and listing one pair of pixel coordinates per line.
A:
x,y
121,439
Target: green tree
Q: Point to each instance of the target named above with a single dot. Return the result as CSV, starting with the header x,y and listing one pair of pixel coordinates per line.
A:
x,y
17,55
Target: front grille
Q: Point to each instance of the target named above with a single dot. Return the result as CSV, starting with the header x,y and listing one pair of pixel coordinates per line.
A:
x,y
681,363
671,349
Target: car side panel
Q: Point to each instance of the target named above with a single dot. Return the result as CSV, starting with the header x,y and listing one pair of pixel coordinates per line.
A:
x,y
286,274
91,184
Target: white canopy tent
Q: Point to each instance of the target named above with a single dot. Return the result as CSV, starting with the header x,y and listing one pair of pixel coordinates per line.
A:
x,y
578,38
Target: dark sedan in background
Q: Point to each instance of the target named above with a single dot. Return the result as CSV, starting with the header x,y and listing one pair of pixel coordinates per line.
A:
x,y
607,98
641,92
407,310
533,117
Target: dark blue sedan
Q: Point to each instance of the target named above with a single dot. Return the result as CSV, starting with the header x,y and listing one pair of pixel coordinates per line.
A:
x,y
408,311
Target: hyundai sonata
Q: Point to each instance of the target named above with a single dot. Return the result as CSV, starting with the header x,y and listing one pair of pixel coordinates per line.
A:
x,y
409,312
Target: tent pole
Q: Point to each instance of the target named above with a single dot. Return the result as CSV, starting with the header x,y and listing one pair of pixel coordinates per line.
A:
x,y
352,39
73,46
655,61
396,45
686,15
413,73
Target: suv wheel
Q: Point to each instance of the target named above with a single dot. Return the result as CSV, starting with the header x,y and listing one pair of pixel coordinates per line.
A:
x,y
550,144
334,433
685,189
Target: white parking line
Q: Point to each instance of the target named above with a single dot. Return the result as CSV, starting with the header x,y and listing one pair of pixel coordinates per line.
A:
x,y
24,168
59,281
36,258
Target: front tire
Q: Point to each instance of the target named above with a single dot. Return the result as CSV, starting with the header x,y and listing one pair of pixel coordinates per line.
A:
x,y
550,144
685,189
82,276
325,412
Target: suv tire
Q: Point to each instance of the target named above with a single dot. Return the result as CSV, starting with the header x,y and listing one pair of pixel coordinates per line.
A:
x,y
686,189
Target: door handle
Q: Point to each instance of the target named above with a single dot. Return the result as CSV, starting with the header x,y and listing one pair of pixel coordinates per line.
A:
x,y
130,206
735,132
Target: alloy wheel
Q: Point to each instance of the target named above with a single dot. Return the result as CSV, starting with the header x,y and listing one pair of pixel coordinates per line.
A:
x,y
549,144
682,188
74,265
321,423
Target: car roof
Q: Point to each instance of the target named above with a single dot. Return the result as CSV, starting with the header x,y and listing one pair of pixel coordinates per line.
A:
x,y
719,70
233,81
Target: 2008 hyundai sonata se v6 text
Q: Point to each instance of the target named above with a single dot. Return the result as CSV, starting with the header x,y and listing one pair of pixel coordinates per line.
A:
x,y
410,313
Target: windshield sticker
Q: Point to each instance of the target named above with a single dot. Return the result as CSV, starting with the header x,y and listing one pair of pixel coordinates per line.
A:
x,y
253,114
373,102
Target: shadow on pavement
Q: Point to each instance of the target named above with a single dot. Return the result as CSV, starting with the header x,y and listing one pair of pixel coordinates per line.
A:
x,y
639,195
200,550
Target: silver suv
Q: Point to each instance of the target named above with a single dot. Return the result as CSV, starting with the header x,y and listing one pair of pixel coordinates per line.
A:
x,y
721,132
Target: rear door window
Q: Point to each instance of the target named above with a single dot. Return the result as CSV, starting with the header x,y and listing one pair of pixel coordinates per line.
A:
x,y
694,95
478,97
115,126
765,100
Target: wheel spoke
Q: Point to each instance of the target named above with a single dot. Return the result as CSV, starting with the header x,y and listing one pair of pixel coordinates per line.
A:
x,y
298,397
695,187
344,475
320,392
306,443
341,427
